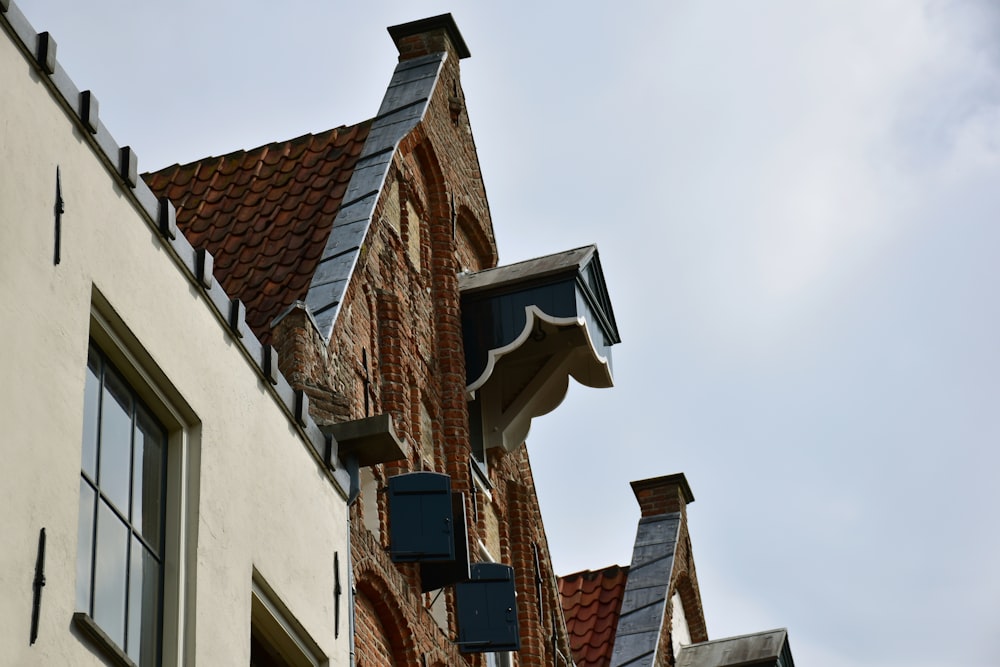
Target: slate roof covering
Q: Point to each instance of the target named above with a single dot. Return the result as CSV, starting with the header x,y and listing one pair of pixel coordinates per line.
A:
x,y
760,648
591,602
529,270
265,214
645,599
403,107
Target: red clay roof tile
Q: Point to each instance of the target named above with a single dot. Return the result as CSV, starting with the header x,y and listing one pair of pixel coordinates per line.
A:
x,y
591,603
265,214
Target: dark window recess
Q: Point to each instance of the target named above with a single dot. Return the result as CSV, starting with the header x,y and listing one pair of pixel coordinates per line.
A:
x,y
487,610
474,493
366,382
262,654
421,525
438,574
476,440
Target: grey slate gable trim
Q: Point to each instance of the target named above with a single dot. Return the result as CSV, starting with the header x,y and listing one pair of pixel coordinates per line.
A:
x,y
760,648
122,163
644,602
403,107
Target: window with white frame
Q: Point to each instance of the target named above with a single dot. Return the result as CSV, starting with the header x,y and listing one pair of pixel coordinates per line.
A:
x,y
276,638
120,551
498,660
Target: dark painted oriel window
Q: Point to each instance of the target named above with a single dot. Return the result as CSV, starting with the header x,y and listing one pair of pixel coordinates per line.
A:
x,y
119,566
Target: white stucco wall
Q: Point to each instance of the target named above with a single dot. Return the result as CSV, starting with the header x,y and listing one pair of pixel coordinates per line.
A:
x,y
256,496
680,633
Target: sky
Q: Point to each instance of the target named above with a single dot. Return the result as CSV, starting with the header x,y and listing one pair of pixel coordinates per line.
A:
x,y
796,206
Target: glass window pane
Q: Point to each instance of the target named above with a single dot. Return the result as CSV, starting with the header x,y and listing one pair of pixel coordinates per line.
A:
x,y
85,547
476,432
147,479
109,573
116,440
143,606
91,394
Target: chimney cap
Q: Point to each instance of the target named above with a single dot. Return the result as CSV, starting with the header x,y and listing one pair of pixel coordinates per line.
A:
x,y
442,21
677,479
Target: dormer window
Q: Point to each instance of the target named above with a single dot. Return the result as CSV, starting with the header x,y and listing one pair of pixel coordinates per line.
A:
x,y
527,328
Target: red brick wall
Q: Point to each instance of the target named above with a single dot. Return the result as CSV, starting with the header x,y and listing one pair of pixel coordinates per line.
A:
x,y
397,348
526,535
392,598
686,583
374,642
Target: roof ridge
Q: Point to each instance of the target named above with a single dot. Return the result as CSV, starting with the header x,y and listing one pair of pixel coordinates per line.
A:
x,y
587,246
243,152
743,636
597,571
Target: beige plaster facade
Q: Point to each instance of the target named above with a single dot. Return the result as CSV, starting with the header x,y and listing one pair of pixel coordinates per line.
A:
x,y
251,504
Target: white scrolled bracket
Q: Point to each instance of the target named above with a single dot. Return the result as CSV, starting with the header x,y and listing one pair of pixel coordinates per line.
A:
x,y
508,426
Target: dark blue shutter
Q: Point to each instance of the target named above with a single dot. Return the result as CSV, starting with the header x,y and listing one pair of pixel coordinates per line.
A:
x,y
487,610
438,574
421,526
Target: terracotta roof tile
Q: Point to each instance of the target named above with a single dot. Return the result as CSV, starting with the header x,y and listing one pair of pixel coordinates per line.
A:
x,y
591,603
265,214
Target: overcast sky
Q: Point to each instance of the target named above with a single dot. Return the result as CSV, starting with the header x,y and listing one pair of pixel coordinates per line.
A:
x,y
796,205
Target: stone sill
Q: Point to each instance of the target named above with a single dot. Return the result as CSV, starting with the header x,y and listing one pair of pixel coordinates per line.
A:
x,y
101,641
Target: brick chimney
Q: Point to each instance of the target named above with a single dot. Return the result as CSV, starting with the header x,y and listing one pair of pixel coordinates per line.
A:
x,y
663,495
661,553
430,35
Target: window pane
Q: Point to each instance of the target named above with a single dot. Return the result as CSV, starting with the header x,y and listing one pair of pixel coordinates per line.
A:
x,y
116,440
147,480
91,393
85,547
109,573
143,606
476,433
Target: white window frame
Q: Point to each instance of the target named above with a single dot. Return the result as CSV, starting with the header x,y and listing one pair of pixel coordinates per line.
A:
x,y
272,622
150,384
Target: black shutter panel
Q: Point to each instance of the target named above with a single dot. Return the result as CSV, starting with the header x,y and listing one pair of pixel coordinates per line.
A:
x,y
487,610
438,574
421,525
